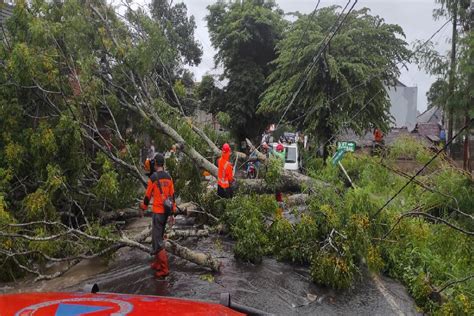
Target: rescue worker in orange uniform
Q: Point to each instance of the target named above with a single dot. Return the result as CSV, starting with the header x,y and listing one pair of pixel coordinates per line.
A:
x,y
160,187
225,174
378,136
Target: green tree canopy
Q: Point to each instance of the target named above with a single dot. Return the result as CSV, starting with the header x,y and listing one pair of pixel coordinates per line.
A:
x,y
437,93
363,55
210,96
178,28
245,34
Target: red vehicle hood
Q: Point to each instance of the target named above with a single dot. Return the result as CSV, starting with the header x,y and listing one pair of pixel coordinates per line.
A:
x,y
80,304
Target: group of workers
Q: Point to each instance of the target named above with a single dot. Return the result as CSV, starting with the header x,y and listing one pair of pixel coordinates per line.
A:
x,y
160,190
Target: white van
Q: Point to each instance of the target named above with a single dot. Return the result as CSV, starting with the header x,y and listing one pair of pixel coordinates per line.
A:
x,y
291,156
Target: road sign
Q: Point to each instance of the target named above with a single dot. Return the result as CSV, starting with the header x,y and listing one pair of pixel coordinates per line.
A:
x,y
346,145
338,156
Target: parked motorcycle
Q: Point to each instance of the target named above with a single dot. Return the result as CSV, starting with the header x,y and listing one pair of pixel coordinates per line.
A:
x,y
251,171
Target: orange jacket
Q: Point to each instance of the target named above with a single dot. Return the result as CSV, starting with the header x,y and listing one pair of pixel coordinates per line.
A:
x,y
153,191
225,172
378,135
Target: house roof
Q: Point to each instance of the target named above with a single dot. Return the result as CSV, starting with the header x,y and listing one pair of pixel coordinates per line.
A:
x,y
431,115
399,83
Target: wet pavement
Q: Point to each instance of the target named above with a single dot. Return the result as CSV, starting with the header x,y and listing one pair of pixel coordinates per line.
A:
x,y
272,286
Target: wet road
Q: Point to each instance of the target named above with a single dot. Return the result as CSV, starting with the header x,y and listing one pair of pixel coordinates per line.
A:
x,y
272,286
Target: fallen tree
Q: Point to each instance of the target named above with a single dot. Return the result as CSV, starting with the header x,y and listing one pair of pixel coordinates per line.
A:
x,y
123,214
82,130
84,244
199,258
297,199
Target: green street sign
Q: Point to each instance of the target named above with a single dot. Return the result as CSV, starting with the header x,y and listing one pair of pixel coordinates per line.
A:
x,y
347,146
338,156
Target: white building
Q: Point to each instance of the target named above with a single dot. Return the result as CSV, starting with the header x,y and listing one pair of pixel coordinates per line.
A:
x,y
403,108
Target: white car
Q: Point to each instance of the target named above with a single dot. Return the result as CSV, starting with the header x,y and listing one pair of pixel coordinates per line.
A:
x,y
291,156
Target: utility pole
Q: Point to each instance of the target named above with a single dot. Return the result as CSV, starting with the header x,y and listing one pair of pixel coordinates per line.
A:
x,y
452,75
467,151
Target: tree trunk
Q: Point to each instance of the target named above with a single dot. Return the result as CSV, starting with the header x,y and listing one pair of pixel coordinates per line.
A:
x,y
260,156
467,143
467,152
188,150
199,258
124,214
297,199
184,233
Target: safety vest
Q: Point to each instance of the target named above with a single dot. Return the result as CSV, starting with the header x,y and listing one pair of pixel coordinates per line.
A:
x,y
159,195
222,174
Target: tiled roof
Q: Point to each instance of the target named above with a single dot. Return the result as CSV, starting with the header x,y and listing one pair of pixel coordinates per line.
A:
x,y
432,115
367,140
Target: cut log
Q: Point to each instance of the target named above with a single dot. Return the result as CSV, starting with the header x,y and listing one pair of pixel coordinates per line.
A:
x,y
199,258
297,199
190,209
124,214
184,233
187,208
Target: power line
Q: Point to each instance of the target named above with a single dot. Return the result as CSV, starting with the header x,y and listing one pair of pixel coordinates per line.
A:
x,y
311,111
380,73
423,168
316,58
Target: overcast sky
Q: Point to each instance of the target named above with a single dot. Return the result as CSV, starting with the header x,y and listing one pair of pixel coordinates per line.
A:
x,y
414,16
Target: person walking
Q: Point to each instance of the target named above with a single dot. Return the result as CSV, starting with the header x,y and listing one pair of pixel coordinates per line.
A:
x,y
160,189
225,174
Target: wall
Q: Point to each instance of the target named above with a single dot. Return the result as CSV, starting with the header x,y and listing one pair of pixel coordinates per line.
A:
x,y
404,106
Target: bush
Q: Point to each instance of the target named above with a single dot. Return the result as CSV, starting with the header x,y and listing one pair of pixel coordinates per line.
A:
x,y
245,215
272,172
407,147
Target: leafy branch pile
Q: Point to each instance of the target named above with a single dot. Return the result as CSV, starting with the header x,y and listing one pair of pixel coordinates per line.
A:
x,y
423,237
82,92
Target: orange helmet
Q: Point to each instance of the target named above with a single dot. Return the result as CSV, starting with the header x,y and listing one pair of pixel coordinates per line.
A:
x,y
225,148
